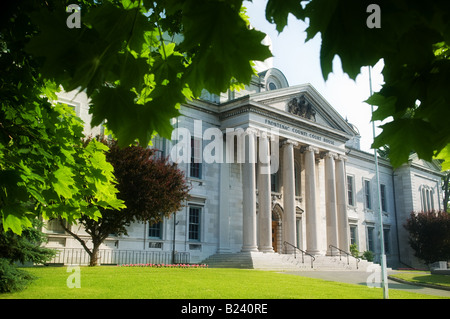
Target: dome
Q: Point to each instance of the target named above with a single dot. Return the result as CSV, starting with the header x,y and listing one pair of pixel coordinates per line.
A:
x,y
273,79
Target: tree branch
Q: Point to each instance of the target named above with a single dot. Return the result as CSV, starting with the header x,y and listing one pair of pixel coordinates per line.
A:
x,y
82,242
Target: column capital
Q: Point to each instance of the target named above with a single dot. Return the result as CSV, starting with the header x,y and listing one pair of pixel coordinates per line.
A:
x,y
341,157
289,142
263,134
329,154
251,131
309,148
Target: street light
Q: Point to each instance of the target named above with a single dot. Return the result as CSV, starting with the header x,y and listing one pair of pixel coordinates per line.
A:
x,y
384,283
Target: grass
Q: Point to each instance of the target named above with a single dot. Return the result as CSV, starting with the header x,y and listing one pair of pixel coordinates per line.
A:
x,y
424,277
162,283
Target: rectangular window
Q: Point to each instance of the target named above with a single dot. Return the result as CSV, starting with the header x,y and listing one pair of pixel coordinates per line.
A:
x,y
386,233
350,191
196,159
194,223
367,195
383,197
159,145
370,242
274,183
297,178
353,234
154,230
54,226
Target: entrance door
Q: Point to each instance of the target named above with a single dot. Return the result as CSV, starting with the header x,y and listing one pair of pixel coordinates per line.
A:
x,y
275,235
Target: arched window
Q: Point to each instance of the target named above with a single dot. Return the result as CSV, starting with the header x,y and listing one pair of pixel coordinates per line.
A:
x,y
274,79
423,200
427,198
272,86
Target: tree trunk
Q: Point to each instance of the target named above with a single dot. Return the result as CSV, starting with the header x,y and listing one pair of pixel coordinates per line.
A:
x,y
94,256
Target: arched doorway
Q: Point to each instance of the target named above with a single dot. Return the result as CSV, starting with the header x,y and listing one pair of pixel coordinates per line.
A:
x,y
277,236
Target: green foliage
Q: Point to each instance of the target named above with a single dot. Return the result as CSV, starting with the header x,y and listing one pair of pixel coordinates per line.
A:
x,y
13,279
151,188
26,247
354,250
136,60
429,235
152,54
367,255
277,12
444,155
45,170
413,42
21,249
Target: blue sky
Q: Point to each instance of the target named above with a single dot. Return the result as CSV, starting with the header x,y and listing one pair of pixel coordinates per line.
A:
x,y
300,63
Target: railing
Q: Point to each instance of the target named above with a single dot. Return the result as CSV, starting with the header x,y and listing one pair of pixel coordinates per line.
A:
x,y
78,256
346,253
303,253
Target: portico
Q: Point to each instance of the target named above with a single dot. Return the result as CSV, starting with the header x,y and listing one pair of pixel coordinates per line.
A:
x,y
258,203
299,142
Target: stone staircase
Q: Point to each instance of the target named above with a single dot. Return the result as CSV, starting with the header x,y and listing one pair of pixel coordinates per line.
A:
x,y
286,262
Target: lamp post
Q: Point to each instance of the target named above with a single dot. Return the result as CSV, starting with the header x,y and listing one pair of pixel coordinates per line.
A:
x,y
384,283
175,223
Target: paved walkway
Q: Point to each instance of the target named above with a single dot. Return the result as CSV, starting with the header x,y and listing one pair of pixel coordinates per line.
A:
x,y
360,278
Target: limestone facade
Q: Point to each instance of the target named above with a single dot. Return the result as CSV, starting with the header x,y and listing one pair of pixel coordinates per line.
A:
x,y
286,168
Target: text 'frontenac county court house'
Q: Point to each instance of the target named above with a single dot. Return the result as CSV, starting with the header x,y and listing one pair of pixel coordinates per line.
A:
x,y
320,190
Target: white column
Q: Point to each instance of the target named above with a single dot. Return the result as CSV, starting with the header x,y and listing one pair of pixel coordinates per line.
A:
x,y
311,215
289,222
344,230
330,200
224,209
264,196
249,195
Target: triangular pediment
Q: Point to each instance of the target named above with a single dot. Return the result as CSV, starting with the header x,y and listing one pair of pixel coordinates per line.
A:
x,y
304,102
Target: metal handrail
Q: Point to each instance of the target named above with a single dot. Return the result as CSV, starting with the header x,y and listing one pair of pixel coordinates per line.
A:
x,y
347,253
303,254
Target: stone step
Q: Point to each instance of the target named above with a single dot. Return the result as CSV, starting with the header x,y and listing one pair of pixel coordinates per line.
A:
x,y
275,261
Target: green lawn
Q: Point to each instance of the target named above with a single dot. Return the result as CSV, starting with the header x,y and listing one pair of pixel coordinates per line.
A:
x,y
424,277
141,282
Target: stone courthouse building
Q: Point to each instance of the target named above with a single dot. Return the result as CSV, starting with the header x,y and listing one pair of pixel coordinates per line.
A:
x,y
271,167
